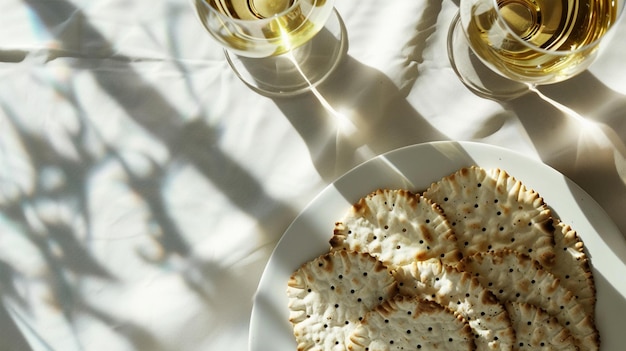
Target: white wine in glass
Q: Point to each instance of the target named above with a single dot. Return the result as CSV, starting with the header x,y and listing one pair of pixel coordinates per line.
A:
x,y
277,47
529,42
276,27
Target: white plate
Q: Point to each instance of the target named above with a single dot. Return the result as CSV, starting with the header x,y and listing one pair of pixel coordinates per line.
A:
x,y
416,167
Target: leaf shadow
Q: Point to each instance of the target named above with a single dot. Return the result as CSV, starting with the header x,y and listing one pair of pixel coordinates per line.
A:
x,y
65,248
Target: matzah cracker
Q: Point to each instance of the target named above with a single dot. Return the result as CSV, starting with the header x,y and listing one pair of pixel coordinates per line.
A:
x,y
512,276
490,210
409,323
330,294
396,226
463,294
572,266
535,329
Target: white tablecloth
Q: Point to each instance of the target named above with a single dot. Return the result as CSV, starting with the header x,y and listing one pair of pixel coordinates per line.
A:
x,y
143,186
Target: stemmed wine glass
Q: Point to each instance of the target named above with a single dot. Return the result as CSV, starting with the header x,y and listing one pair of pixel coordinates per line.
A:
x,y
277,47
501,49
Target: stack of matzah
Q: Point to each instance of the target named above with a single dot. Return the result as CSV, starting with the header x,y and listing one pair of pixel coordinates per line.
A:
x,y
476,262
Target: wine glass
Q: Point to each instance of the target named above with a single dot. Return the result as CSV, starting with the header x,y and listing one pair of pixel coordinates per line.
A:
x,y
501,49
277,47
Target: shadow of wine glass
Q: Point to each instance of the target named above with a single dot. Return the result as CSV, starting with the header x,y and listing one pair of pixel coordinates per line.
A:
x,y
356,114
359,111
584,112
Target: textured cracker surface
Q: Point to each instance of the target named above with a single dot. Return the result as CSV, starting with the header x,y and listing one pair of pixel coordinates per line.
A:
x,y
478,262
490,210
328,296
396,226
417,324
572,266
462,294
512,276
537,330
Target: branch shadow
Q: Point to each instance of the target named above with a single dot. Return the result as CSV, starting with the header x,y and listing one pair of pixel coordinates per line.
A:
x,y
10,331
193,142
67,259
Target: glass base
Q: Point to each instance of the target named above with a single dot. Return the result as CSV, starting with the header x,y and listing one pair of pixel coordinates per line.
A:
x,y
299,70
481,80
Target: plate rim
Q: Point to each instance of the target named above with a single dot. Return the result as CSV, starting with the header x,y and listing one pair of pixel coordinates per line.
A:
x,y
472,148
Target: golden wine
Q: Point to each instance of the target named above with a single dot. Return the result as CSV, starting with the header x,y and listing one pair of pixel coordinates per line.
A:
x,y
262,28
538,41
